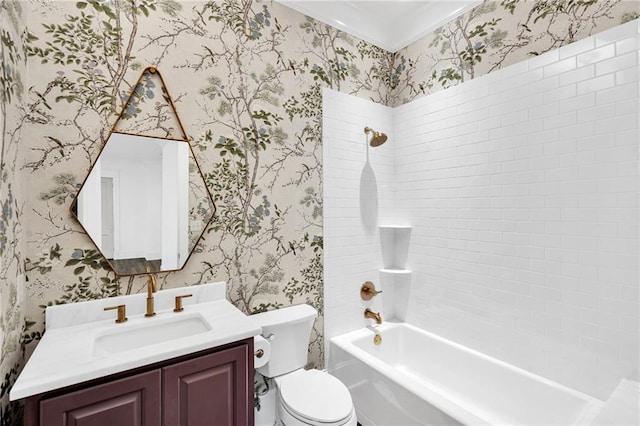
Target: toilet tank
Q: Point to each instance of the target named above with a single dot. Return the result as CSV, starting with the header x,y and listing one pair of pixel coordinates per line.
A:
x,y
288,330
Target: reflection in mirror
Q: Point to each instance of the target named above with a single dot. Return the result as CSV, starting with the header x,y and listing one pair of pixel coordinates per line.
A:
x,y
144,203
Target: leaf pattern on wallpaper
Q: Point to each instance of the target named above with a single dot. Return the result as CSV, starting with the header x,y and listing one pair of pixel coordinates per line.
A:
x,y
148,110
244,131
10,414
90,275
499,33
91,52
328,54
12,196
463,44
564,22
389,73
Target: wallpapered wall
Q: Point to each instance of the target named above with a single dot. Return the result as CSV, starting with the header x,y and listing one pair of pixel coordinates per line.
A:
x,y
497,34
246,77
12,201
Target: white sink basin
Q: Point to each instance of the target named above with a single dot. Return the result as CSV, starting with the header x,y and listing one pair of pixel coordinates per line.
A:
x,y
147,332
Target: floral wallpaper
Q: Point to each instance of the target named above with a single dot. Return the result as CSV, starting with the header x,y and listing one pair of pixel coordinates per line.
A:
x,y
497,34
246,78
12,202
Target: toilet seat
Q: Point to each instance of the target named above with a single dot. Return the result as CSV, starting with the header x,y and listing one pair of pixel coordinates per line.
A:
x,y
287,418
315,398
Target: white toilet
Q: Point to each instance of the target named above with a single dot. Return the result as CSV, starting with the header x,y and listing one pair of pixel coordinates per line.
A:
x,y
304,397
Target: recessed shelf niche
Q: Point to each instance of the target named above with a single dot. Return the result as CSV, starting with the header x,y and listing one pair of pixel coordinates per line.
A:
x,y
394,275
394,244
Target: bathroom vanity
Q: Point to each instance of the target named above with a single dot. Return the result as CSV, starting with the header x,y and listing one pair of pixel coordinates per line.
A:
x,y
214,384
190,367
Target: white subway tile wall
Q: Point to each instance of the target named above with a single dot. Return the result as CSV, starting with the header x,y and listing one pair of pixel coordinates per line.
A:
x,y
522,188
357,197
525,239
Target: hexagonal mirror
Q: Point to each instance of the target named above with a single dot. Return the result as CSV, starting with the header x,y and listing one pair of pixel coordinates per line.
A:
x,y
145,203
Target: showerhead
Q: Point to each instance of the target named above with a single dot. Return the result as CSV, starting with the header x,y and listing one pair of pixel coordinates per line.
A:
x,y
377,138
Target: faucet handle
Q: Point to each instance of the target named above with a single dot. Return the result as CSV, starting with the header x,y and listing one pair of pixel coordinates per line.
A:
x,y
368,291
122,312
178,307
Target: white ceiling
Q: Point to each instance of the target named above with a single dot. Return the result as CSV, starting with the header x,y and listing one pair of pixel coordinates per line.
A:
x,y
390,24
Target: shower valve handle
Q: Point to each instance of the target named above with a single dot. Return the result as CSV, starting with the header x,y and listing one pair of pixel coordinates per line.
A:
x,y
368,291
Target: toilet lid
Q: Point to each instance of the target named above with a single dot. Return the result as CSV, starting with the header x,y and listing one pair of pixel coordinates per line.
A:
x,y
316,396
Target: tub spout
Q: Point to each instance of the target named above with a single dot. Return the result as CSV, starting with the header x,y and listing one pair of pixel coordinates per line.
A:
x,y
368,313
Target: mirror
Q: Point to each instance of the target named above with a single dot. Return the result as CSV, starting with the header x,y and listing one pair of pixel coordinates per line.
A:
x,y
144,203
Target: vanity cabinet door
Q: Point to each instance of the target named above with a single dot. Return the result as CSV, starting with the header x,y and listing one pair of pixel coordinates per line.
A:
x,y
214,389
132,401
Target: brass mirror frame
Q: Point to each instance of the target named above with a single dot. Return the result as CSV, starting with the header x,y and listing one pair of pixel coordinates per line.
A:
x,y
151,70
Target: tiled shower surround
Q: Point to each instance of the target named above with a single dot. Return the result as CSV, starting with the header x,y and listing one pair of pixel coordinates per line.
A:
x,y
521,187
358,193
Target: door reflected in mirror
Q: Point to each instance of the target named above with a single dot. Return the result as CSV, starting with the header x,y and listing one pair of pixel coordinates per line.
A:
x,y
144,204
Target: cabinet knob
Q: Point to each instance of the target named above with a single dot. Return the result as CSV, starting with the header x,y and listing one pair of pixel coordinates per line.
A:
x,y
178,307
122,312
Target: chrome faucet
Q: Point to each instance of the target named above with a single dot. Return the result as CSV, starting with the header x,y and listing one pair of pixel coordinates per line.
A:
x,y
151,288
368,313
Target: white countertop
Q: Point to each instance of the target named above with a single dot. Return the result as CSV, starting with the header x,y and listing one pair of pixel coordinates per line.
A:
x,y
65,355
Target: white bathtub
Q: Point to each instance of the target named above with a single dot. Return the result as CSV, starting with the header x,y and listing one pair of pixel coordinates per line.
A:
x,y
417,378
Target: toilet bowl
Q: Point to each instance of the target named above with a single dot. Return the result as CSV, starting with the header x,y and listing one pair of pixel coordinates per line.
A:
x,y
304,397
312,397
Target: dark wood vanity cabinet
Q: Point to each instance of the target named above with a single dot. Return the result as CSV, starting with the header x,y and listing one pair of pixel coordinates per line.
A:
x,y
213,387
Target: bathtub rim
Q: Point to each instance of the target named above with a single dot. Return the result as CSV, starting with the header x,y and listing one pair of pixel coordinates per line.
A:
x,y
346,342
